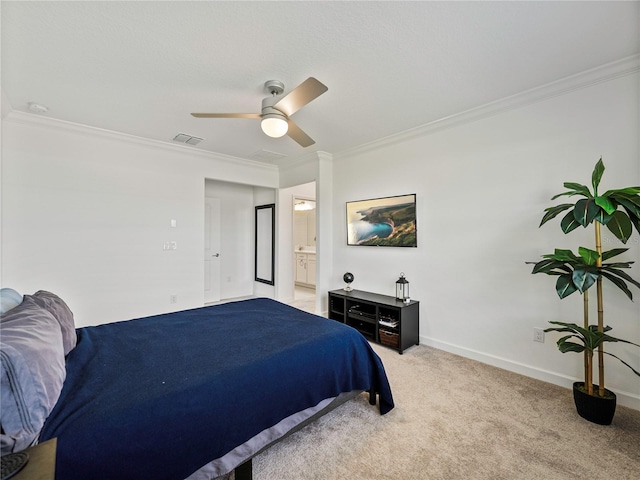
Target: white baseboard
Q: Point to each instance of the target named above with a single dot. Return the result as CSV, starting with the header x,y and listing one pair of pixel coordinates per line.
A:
x,y
626,399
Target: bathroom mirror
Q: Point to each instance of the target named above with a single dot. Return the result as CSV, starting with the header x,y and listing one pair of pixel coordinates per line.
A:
x,y
304,223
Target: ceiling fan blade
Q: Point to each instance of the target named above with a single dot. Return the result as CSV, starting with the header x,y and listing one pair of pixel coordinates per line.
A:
x,y
226,115
298,135
300,96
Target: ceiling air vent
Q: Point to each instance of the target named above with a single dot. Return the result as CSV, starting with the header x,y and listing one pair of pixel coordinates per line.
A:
x,y
266,156
188,139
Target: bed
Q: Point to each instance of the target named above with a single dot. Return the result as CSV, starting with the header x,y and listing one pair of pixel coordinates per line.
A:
x,y
197,393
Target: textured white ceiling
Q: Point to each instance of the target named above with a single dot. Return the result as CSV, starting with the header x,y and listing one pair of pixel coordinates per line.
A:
x,y
142,67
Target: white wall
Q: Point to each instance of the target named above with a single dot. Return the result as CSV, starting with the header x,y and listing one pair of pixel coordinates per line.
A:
x,y
481,189
85,214
5,108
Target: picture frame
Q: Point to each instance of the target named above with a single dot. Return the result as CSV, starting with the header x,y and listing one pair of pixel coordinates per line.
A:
x,y
383,222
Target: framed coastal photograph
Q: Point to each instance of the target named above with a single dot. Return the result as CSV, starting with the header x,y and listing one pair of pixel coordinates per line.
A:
x,y
383,222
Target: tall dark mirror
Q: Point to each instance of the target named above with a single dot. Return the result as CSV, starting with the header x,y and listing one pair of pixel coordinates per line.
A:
x,y
265,243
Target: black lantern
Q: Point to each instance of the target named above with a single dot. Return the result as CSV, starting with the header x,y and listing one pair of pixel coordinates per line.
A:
x,y
402,289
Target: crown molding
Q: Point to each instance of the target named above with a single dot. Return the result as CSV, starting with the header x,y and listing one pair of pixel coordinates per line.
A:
x,y
289,163
325,156
604,73
33,119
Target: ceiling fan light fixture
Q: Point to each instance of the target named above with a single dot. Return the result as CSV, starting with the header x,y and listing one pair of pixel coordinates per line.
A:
x,y
274,125
277,110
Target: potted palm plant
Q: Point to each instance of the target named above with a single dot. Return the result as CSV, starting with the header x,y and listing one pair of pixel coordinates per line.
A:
x,y
619,211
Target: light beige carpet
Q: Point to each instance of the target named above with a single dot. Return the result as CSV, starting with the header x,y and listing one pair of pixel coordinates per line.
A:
x,y
457,419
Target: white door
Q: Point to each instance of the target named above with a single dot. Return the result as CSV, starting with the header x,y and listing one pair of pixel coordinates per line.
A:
x,y
211,250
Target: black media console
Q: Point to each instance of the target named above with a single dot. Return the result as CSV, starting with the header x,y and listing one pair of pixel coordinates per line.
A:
x,y
380,318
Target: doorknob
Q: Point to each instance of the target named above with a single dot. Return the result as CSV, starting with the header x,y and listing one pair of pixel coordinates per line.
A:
x,y
216,255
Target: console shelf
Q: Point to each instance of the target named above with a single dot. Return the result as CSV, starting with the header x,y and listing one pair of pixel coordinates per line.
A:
x,y
380,318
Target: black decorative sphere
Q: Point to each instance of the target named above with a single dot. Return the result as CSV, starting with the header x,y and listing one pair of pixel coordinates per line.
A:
x,y
348,277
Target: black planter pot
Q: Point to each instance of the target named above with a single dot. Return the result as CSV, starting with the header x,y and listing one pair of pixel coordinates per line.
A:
x,y
595,409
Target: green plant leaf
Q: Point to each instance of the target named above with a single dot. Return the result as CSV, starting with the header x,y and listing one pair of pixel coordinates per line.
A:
x,y
594,328
572,327
629,206
609,338
566,346
569,222
596,176
631,197
618,264
584,278
565,286
618,282
625,363
612,253
565,194
619,273
589,256
552,212
563,255
578,333
632,207
541,266
556,329
549,266
578,189
620,226
585,211
635,221
606,204
603,217
590,339
624,191
567,337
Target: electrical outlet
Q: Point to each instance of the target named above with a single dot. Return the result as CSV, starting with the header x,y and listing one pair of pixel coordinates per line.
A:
x,y
173,298
538,335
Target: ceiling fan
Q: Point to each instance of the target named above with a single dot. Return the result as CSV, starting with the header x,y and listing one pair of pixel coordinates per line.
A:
x,y
276,110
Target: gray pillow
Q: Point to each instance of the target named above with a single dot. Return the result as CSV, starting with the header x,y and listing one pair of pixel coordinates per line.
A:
x,y
32,371
61,312
9,299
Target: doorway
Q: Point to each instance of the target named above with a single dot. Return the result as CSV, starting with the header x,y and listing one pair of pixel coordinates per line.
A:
x,y
229,267
304,236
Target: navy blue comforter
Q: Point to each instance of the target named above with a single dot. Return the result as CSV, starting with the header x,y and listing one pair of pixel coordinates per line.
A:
x,y
160,397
